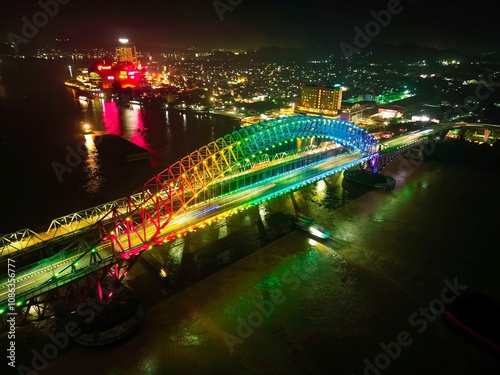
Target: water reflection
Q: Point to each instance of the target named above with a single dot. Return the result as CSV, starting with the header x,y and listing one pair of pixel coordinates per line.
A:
x,y
263,213
167,135
84,105
321,190
136,124
2,88
92,166
2,93
111,118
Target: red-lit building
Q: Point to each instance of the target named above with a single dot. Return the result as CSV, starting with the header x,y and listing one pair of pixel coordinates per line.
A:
x,y
125,74
125,71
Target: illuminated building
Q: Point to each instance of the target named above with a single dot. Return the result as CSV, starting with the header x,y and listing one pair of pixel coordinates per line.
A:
x,y
126,52
320,100
126,74
358,111
126,71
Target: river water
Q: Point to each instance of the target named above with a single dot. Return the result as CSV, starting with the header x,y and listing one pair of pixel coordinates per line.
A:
x,y
251,295
41,126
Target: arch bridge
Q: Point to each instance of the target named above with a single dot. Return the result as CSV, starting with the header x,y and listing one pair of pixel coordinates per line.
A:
x,y
243,168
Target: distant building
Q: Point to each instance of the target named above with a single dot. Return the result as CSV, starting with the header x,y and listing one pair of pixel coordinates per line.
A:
x,y
124,72
320,100
432,113
404,107
358,111
126,53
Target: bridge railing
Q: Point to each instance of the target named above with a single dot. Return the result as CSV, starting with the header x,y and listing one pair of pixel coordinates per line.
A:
x,y
62,227
57,281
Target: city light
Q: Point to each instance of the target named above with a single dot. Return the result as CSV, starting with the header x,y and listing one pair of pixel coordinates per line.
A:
x,y
87,129
123,40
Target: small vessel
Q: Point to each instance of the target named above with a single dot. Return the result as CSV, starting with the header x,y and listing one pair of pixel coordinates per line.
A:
x,y
307,224
75,84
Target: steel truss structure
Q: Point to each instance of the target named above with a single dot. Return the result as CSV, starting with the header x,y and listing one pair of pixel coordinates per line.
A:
x,y
63,227
100,285
177,187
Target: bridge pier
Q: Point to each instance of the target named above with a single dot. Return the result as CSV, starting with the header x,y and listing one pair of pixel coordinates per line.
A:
x,y
97,287
487,133
416,153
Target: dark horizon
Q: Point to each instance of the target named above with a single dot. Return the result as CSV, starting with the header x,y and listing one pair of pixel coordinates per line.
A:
x,y
158,24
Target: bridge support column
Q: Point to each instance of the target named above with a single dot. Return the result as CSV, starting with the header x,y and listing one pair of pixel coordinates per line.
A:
x,y
487,133
100,286
416,153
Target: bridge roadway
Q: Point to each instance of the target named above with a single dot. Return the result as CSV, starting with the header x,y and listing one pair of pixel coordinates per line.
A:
x,y
34,281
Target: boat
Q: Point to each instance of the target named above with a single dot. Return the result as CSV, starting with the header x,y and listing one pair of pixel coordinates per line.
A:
x,y
307,224
75,84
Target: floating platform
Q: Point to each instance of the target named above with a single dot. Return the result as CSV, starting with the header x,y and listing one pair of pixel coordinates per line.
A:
x,y
108,322
378,181
114,333
120,148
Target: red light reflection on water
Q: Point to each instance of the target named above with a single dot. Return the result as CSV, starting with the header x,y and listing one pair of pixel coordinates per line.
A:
x,y
138,128
111,118
128,123
140,134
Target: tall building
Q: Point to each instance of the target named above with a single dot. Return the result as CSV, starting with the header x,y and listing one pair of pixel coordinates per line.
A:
x,y
125,72
327,100
126,52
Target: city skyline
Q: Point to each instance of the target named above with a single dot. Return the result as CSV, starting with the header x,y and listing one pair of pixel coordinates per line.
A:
x,y
247,25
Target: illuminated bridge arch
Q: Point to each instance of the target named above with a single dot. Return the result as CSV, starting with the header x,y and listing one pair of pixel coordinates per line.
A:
x,y
227,155
177,187
110,246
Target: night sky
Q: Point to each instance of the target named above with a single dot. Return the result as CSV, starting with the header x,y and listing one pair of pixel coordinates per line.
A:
x,y
469,26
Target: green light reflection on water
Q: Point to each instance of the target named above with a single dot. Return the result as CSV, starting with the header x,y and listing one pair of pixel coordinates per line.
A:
x,y
300,264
